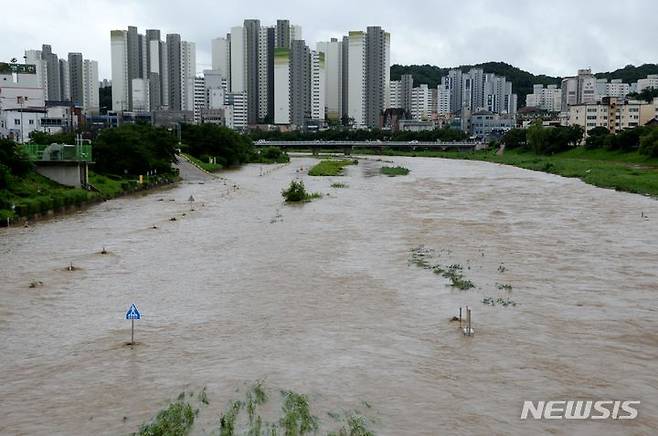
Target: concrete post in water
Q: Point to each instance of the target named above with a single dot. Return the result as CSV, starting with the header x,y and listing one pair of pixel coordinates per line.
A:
x,y
468,330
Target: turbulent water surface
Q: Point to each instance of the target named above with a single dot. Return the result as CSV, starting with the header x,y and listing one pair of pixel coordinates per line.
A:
x,y
321,299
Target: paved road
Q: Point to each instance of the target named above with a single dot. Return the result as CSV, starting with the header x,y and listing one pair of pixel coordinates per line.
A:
x,y
190,172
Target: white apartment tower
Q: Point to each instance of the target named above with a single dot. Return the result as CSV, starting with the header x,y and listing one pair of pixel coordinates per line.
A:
x,y
356,83
90,98
333,59
318,85
120,89
187,74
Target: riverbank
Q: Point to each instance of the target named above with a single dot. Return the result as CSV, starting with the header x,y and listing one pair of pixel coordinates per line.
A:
x,y
628,172
35,196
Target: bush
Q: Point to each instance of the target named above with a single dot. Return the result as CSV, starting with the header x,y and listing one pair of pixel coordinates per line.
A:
x,y
649,143
296,192
270,155
13,159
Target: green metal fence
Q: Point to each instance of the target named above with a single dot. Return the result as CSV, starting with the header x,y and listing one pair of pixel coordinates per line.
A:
x,y
58,152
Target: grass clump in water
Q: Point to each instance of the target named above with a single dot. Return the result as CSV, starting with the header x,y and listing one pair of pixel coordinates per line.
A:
x,y
297,418
338,185
330,167
490,301
227,421
175,420
296,193
356,425
394,171
504,286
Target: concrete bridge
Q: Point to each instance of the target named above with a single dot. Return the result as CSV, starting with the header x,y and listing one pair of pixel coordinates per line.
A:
x,y
350,146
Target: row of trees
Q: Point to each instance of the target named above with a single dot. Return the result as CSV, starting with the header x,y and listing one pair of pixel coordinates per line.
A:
x,y
643,139
444,134
550,140
544,140
133,149
227,146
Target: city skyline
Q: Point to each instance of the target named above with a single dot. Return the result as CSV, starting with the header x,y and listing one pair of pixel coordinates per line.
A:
x,y
473,34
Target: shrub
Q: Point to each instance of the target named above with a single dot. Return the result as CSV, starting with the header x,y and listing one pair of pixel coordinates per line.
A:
x,y
296,192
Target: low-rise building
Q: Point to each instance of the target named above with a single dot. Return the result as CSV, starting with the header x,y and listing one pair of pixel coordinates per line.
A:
x,y
486,124
612,113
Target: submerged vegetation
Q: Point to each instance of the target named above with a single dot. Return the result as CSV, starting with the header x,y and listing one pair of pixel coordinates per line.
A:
x,y
490,301
175,420
269,155
394,171
295,417
331,167
338,185
296,193
421,257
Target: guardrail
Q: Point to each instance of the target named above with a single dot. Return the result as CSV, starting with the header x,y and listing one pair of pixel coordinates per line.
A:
x,y
370,144
58,152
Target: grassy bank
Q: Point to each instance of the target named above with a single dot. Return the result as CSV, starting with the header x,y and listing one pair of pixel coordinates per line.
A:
x,y
330,167
206,166
35,195
623,171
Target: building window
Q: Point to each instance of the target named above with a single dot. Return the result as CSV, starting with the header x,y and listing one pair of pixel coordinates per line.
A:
x,y
17,122
31,122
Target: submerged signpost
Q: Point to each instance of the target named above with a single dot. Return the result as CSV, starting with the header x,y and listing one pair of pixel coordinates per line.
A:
x,y
132,315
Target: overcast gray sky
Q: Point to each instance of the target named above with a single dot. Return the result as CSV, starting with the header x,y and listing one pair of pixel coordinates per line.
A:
x,y
552,37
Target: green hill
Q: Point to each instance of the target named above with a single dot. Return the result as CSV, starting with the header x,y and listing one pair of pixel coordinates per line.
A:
x,y
522,81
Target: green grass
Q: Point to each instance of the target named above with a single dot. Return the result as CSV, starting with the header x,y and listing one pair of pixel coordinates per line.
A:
x,y
35,194
629,172
175,420
206,166
394,171
338,185
330,167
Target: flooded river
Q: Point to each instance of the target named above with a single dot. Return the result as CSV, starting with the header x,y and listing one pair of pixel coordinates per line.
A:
x,y
321,299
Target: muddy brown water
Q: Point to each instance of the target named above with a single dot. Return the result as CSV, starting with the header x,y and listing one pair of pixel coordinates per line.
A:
x,y
321,299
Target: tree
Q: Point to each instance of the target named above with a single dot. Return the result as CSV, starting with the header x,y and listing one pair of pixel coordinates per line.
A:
x,y
596,137
134,149
649,143
515,138
13,158
229,147
551,140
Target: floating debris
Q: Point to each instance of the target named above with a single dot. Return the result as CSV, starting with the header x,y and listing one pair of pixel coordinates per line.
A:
x,y
173,218
191,198
154,227
501,268
36,284
103,251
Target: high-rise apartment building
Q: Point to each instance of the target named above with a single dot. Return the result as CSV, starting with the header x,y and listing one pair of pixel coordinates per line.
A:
x,y
252,40
64,80
333,58
377,74
318,85
167,67
75,62
356,82
90,96
52,68
547,98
